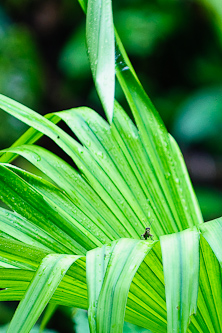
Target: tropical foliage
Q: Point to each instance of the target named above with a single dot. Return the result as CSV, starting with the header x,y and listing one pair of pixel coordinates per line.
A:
x,y
75,239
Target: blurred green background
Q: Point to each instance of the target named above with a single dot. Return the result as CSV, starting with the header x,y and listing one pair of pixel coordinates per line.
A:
x,y
176,49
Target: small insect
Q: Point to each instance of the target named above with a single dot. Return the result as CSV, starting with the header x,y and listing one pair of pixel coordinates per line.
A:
x,y
147,234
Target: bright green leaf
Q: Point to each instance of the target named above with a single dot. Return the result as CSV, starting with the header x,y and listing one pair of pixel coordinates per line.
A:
x,y
212,232
46,280
110,271
180,252
101,49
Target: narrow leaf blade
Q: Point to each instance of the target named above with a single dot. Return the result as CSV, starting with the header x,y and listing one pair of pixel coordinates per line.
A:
x,y
101,48
180,254
29,137
110,271
212,232
40,291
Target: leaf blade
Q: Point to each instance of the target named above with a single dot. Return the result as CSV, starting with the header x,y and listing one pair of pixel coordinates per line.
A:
x,y
40,291
101,49
112,277
180,254
212,232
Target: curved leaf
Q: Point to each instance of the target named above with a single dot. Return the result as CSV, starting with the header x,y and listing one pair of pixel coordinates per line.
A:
x,y
116,174
212,232
180,254
23,230
78,190
209,304
149,312
110,270
46,280
29,137
28,202
159,146
79,225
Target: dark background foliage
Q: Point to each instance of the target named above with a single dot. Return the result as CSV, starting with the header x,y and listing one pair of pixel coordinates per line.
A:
x,y
175,47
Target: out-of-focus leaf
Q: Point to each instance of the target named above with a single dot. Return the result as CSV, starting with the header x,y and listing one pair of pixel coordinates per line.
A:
x,y
142,29
214,10
200,117
82,324
50,310
4,21
73,58
81,321
20,65
35,329
210,202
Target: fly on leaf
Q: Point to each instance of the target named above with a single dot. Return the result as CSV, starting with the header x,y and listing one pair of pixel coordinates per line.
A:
x,y
147,234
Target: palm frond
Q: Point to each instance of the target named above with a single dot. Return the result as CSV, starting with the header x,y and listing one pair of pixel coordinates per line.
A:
x,y
129,176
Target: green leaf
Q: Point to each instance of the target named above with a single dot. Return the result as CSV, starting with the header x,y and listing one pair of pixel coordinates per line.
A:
x,y
29,137
147,294
41,124
146,300
180,254
49,312
124,188
23,230
101,49
80,226
209,304
72,291
70,146
83,158
139,164
46,280
212,232
83,4
123,164
28,202
159,146
97,216
119,190
110,271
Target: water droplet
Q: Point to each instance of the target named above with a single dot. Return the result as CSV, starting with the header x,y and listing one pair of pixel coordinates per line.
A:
x,y
100,153
125,68
167,175
177,180
80,150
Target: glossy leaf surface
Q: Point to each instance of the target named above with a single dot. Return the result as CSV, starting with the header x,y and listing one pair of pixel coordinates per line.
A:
x,y
40,291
